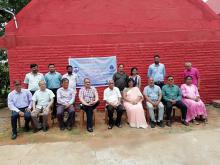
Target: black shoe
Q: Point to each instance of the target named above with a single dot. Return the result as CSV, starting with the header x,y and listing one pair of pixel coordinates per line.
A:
x,y
90,130
161,124
169,123
45,129
26,129
62,128
13,136
119,125
69,128
110,126
152,124
185,123
37,130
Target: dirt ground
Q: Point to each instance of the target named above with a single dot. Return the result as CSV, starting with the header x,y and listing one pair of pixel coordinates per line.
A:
x,y
196,144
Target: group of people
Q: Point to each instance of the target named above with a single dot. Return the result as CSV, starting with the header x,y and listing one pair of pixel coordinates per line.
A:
x,y
56,93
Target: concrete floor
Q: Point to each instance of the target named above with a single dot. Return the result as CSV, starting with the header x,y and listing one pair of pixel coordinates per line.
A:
x,y
196,144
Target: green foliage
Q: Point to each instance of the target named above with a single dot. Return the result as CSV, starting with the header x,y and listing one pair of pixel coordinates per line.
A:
x,y
4,74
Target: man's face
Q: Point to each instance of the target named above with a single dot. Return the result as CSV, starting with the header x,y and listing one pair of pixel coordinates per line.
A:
x,y
111,84
188,66
18,87
42,85
34,69
70,70
157,60
170,81
189,81
65,84
87,83
121,68
151,81
52,68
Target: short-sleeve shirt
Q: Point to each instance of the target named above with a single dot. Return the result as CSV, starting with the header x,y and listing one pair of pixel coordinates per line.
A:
x,y
88,95
152,92
53,80
43,98
194,73
112,95
120,80
157,72
32,80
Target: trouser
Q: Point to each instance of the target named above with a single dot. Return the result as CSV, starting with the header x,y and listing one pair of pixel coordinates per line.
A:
x,y
14,118
89,113
151,111
35,114
180,105
60,114
54,110
119,110
159,83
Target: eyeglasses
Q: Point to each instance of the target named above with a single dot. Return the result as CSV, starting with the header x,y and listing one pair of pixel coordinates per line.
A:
x,y
170,79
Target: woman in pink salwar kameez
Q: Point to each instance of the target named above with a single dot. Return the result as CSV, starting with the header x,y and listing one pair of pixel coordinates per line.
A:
x,y
191,98
133,104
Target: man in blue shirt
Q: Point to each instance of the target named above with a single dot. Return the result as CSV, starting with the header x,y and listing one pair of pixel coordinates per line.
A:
x,y
157,71
20,103
53,82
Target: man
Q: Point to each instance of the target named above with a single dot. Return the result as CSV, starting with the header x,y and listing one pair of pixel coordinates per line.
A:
x,y
193,72
53,81
153,97
20,103
65,100
112,97
157,71
42,102
32,79
172,97
72,77
120,78
89,99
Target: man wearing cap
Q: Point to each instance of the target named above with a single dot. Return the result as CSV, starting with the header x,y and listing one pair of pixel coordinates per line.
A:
x,y
20,103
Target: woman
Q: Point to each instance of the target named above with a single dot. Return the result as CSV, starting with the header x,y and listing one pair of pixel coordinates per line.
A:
x,y
133,104
136,78
191,98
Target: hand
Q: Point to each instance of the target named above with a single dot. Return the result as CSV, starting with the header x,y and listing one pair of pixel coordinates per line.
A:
x,y
28,110
21,113
197,99
173,101
67,106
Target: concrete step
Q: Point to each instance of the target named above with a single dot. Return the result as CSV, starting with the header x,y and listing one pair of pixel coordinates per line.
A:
x,y
216,103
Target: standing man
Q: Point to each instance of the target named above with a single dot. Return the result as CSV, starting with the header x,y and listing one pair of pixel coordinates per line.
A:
x,y
172,97
72,77
157,71
53,80
32,79
89,99
193,72
153,97
20,103
112,97
65,100
42,102
120,78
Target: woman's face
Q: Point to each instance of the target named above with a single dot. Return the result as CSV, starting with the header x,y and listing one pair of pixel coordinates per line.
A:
x,y
130,84
134,71
189,80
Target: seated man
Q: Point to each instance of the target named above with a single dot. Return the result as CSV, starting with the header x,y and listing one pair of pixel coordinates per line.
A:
x,y
172,97
65,100
42,102
88,96
153,97
112,97
20,103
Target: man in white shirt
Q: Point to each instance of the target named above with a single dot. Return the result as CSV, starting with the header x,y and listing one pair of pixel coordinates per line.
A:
x,y
71,76
32,79
112,97
42,102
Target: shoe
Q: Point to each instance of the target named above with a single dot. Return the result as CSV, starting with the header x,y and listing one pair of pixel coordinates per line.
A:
x,y
26,129
185,123
45,129
90,130
161,124
13,136
37,130
119,125
152,124
169,123
62,128
110,126
195,122
69,128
